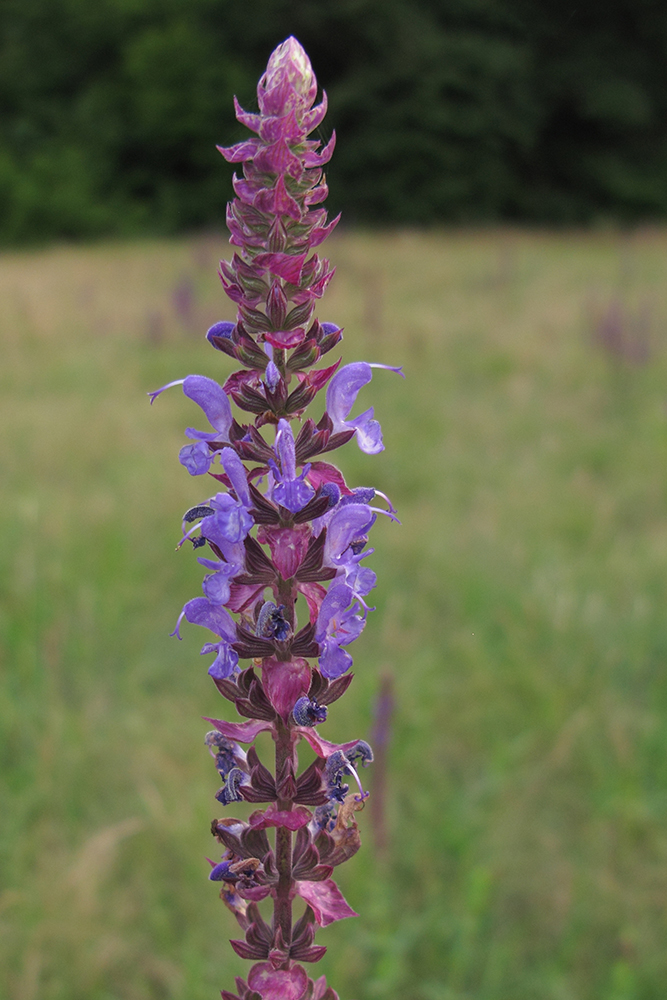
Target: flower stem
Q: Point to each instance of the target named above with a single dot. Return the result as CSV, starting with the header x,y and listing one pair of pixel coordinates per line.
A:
x,y
283,901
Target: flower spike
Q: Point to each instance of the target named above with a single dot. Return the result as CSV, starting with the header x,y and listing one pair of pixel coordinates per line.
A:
x,y
281,524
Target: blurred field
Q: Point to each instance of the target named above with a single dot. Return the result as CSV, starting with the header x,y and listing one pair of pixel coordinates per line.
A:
x,y
521,608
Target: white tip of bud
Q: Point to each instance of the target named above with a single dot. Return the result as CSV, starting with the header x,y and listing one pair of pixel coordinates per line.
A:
x,y
290,59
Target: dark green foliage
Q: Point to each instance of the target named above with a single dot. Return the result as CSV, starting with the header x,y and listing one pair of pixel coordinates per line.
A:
x,y
448,110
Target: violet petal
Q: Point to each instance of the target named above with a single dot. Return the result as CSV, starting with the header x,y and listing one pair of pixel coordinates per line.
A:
x,y
238,477
196,458
199,611
334,661
212,399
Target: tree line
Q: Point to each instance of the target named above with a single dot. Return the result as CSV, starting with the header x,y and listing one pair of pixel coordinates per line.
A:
x,y
446,110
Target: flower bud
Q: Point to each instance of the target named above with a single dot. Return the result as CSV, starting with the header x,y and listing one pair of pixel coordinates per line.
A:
x,y
289,63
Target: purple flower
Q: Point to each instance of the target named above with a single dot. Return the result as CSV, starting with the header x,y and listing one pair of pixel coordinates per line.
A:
x,y
216,585
347,533
236,474
229,870
199,611
360,495
360,579
197,458
291,491
338,625
226,753
231,519
341,396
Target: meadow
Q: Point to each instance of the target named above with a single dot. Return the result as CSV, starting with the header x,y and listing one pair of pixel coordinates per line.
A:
x,y
521,614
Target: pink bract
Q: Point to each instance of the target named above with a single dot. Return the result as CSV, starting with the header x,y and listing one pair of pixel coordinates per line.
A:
x,y
278,984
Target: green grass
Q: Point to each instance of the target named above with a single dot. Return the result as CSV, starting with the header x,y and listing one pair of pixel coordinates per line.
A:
x,y
521,609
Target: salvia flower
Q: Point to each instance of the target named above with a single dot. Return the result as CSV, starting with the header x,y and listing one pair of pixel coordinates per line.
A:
x,y
338,625
290,491
197,457
341,397
281,537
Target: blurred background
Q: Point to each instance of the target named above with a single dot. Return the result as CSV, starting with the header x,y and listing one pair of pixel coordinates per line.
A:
x,y
502,169
451,110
